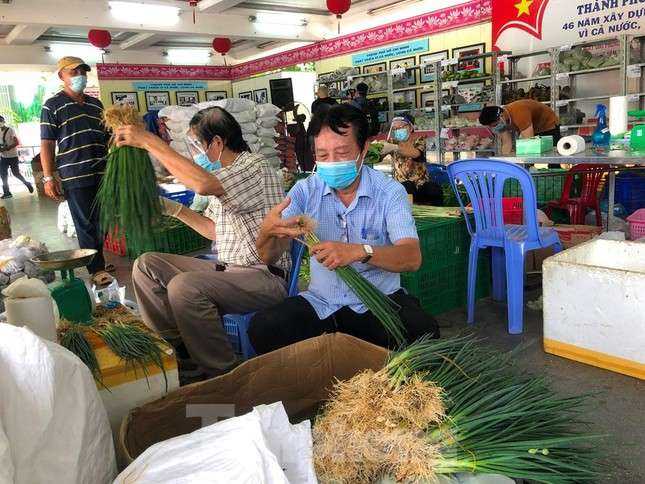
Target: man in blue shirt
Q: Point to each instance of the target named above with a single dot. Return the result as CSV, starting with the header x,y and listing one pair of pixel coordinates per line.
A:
x,y
72,121
364,220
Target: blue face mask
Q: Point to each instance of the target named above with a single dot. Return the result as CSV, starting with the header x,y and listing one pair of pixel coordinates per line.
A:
x,y
203,161
401,134
337,174
78,83
500,127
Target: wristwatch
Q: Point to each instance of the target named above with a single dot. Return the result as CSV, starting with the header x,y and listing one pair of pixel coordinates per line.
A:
x,y
369,251
47,179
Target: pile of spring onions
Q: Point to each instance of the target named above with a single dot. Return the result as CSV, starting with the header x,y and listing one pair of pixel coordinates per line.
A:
x,y
495,420
123,333
381,306
128,198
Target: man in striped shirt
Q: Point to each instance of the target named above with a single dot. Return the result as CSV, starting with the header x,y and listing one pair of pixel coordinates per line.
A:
x,y
72,121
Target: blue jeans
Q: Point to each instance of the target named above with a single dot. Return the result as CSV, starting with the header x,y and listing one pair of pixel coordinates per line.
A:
x,y
85,214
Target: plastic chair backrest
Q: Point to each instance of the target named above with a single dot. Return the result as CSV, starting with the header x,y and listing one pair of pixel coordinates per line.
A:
x,y
484,182
297,249
591,176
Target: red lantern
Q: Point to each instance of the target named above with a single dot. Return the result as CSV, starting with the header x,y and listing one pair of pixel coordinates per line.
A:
x,y
222,45
339,7
99,38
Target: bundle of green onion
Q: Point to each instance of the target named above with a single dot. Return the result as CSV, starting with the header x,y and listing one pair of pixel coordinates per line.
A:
x,y
385,310
489,418
128,198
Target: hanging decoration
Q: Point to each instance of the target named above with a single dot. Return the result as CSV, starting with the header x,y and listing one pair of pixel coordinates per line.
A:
x,y
222,45
338,7
101,39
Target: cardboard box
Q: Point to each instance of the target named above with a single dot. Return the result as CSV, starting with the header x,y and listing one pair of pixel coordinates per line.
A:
x,y
299,375
572,235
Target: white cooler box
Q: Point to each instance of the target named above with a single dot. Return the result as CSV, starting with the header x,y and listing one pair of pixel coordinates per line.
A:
x,y
594,305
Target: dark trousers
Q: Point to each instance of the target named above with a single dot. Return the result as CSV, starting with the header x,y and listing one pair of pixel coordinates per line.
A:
x,y
5,164
555,132
295,320
427,194
85,214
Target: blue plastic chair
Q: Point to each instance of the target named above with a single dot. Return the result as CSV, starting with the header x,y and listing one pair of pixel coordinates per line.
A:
x,y
484,182
237,325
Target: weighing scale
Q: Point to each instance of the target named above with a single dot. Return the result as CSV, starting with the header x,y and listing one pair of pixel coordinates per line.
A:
x,y
70,293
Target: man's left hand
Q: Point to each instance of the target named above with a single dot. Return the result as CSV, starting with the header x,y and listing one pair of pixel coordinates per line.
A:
x,y
333,255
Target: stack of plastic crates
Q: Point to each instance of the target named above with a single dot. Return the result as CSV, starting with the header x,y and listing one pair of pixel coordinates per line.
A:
x,y
173,237
442,281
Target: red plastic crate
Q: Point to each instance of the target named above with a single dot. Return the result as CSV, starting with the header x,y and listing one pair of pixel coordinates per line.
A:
x,y
513,210
115,245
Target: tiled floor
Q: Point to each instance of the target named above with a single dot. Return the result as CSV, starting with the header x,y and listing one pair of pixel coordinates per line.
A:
x,y
616,409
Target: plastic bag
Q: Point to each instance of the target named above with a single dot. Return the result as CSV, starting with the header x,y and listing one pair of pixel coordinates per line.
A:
x,y
250,138
247,116
51,416
267,122
248,128
259,447
267,132
267,110
25,287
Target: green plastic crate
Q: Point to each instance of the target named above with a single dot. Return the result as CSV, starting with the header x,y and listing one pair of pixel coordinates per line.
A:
x,y
442,281
548,185
175,238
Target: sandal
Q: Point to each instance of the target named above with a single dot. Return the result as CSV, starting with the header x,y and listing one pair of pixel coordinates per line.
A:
x,y
102,278
110,268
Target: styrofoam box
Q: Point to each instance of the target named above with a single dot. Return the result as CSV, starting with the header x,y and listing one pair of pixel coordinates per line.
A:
x,y
594,305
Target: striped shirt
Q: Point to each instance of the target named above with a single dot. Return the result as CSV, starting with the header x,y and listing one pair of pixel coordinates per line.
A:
x,y
251,189
81,138
380,215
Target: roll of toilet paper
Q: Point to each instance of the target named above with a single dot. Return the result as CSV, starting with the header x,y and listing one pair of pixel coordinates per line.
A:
x,y
571,145
618,115
37,313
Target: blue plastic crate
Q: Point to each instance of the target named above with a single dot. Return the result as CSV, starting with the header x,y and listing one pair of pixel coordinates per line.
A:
x,y
185,197
630,191
236,327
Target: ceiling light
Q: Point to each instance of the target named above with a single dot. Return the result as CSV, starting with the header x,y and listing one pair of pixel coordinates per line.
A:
x,y
391,6
144,13
189,56
85,52
278,19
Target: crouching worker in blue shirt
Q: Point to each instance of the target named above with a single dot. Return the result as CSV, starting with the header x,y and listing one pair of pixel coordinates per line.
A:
x,y
364,220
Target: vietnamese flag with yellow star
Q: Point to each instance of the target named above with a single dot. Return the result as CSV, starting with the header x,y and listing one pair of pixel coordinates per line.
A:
x,y
526,15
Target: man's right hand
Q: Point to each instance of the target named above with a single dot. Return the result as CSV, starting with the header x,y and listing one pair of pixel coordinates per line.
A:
x,y
275,226
53,190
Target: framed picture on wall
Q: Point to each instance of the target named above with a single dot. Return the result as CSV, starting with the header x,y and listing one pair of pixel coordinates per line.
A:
x,y
187,98
128,98
478,65
375,68
405,99
155,100
246,95
216,95
427,98
408,77
427,67
261,96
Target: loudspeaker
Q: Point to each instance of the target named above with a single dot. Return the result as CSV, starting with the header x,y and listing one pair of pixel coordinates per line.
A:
x,y
281,92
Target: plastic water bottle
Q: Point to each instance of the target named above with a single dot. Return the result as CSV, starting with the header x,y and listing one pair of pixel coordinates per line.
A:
x,y
601,135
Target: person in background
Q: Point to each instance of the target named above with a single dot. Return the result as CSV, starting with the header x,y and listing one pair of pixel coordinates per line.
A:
x,y
72,121
525,118
364,220
9,159
184,298
409,162
323,101
360,97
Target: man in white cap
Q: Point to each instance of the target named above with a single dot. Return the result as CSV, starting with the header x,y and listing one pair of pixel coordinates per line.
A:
x,y
73,121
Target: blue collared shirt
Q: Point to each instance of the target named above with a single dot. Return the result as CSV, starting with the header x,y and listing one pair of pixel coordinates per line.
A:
x,y
380,215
